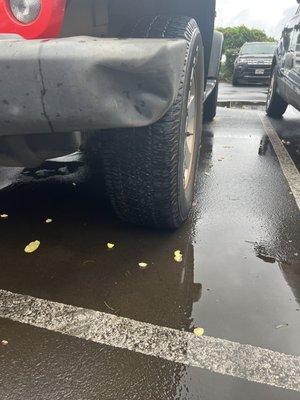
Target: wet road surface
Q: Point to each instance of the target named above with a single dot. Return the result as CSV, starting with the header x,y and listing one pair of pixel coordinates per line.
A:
x,y
289,131
254,96
244,93
239,279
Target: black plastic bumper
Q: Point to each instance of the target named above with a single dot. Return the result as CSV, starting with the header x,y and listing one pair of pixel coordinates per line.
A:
x,y
248,73
85,83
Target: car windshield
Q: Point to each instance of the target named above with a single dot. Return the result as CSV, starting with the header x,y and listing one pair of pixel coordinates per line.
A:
x,y
258,48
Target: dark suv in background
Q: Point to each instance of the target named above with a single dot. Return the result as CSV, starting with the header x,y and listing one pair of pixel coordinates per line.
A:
x,y
253,64
285,82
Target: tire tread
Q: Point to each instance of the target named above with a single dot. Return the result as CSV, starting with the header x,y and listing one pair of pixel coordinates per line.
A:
x,y
141,164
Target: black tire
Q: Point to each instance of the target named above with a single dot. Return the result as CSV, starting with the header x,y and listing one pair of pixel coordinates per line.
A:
x,y
210,105
235,81
143,167
276,106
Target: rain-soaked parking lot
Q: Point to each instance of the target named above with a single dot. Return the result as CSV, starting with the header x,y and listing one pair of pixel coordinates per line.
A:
x,y
81,321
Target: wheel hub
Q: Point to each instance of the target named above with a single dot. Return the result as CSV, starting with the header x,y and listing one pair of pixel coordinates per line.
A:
x,y
271,89
190,138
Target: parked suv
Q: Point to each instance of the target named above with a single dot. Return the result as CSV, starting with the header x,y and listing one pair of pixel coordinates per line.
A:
x,y
253,63
285,82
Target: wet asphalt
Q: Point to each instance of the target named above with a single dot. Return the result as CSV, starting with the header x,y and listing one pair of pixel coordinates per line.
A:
x,y
249,97
244,93
239,279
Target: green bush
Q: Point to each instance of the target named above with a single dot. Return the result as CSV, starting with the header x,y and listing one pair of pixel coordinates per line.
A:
x,y
227,67
231,55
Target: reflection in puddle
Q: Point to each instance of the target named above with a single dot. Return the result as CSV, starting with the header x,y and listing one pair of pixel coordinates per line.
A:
x,y
261,252
74,266
291,143
289,269
291,273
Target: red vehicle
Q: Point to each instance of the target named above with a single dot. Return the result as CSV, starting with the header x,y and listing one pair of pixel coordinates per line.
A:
x,y
126,81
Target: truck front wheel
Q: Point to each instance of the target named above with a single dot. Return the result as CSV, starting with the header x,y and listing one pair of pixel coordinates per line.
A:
x,y
276,106
150,172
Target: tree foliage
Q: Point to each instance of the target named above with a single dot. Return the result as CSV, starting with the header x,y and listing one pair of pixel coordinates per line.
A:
x,y
234,38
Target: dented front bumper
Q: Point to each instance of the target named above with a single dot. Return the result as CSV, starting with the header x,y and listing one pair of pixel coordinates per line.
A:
x,y
86,83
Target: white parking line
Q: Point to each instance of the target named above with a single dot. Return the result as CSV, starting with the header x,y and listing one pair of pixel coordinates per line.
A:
x,y
288,167
254,364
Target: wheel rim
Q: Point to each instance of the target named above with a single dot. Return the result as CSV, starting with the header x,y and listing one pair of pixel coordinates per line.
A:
x,y
271,90
190,132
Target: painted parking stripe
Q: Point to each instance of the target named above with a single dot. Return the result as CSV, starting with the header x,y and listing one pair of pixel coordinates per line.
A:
x,y
254,364
289,169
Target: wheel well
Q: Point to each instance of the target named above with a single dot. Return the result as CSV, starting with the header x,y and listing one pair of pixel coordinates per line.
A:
x,y
273,64
88,17
108,17
119,12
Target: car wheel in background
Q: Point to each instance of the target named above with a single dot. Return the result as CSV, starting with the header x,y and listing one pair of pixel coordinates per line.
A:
x,y
235,81
210,105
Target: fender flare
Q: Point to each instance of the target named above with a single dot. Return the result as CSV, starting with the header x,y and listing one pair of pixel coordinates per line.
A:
x,y
216,55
